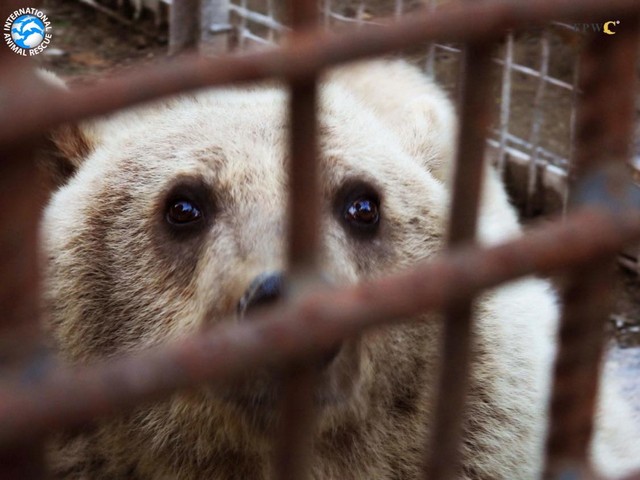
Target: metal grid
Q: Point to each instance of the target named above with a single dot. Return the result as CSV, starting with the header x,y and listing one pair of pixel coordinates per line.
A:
x,y
581,247
543,164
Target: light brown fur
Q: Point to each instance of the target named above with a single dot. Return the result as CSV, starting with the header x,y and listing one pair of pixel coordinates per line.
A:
x,y
118,281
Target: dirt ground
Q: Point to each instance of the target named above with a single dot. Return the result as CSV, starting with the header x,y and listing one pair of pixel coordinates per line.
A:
x,y
87,45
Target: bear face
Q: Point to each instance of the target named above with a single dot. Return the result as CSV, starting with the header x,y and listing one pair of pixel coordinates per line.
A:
x,y
169,216
112,217
177,210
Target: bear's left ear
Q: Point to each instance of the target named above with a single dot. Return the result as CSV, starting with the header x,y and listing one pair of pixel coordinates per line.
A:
x,y
66,147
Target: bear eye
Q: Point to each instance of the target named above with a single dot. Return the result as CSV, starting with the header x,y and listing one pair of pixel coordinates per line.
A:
x,y
360,210
183,212
363,212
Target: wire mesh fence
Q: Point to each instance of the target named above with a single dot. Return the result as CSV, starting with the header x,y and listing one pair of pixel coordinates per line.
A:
x,y
533,128
534,100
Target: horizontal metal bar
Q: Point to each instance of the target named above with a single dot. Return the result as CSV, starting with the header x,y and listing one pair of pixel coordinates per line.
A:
x,y
448,48
249,35
532,72
544,155
24,117
352,20
258,18
71,397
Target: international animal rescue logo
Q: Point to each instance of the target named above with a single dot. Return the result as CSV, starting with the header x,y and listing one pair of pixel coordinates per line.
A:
x,y
27,31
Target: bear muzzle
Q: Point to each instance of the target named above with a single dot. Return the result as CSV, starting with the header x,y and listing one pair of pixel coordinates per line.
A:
x,y
266,290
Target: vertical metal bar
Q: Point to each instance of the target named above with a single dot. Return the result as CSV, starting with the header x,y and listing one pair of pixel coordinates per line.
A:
x,y
505,102
444,454
243,26
184,26
572,133
399,10
604,128
304,205
21,201
20,204
326,12
360,15
271,14
431,49
536,123
214,27
297,415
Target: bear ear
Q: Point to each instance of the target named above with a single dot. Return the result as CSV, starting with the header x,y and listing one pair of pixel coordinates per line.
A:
x,y
411,105
66,147
63,152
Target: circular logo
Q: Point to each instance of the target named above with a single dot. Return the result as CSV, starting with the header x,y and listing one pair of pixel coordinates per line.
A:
x,y
27,31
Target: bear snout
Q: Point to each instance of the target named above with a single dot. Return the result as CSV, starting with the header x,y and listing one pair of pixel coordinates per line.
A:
x,y
265,290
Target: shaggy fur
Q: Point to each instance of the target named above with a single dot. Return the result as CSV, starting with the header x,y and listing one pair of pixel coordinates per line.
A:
x,y
119,279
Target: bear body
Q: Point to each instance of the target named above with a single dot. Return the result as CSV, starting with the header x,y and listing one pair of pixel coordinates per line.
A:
x,y
167,214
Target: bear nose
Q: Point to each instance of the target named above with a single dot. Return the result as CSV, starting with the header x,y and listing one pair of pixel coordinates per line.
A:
x,y
264,290
268,288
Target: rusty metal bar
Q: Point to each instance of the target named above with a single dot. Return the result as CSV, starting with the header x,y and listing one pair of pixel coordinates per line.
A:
x,y
294,446
21,201
605,115
604,129
304,208
24,117
67,398
184,26
476,104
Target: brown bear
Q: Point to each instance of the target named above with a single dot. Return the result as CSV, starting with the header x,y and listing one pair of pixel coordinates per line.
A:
x,y
171,218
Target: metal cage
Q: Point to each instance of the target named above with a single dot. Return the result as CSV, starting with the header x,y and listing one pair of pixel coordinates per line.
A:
x,y
603,218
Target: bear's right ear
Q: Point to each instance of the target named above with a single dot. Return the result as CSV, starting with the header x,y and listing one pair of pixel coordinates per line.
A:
x,y
411,105
64,150
66,147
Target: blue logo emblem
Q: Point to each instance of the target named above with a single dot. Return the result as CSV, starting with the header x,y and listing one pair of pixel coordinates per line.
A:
x,y
27,31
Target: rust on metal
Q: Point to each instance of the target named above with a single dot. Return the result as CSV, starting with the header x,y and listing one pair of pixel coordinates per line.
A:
x,y
475,100
604,129
297,420
315,319
607,84
67,398
21,201
184,26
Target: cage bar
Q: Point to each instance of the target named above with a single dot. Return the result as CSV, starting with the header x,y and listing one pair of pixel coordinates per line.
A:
x,y
505,102
444,458
297,420
604,129
24,118
184,26
315,319
21,198
69,397
536,124
215,27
